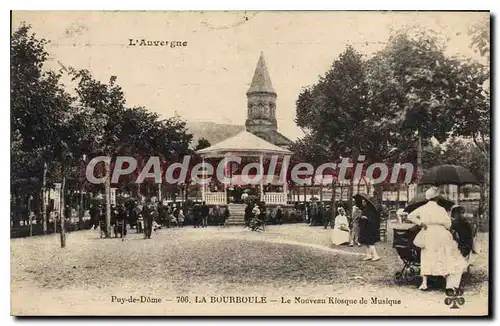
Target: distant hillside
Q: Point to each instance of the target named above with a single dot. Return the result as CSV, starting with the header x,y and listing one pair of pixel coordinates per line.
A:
x,y
213,132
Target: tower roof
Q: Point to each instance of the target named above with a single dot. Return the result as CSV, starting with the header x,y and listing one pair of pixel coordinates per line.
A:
x,y
261,82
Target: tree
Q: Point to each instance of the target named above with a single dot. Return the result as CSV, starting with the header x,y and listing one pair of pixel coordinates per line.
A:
x,y
424,84
107,101
474,119
335,109
346,111
480,37
310,150
202,143
39,104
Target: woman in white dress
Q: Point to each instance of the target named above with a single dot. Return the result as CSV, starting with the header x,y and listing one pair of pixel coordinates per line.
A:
x,y
440,255
340,232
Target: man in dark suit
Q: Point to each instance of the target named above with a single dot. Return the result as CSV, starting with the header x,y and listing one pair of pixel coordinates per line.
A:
x,y
204,214
196,215
148,214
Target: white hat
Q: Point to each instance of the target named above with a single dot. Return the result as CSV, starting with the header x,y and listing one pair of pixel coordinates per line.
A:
x,y
432,192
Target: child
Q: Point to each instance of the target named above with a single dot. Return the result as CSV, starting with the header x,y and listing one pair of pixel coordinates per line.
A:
x,y
180,217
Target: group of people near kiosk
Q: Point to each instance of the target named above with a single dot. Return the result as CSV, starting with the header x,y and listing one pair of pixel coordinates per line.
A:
x,y
446,238
150,216
363,229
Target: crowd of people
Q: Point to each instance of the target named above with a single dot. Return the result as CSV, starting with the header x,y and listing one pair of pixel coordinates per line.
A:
x,y
151,216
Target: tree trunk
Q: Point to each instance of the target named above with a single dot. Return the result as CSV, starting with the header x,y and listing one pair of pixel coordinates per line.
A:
x,y
305,194
62,206
30,219
321,190
334,199
16,218
81,211
484,212
44,207
419,157
350,193
107,198
55,216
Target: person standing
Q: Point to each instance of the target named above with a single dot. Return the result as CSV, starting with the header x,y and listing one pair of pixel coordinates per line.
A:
x,y
93,216
180,216
440,255
248,213
114,220
369,229
313,212
321,212
327,217
139,214
170,216
196,215
262,213
216,215
279,215
354,235
148,220
122,221
226,216
204,215
102,220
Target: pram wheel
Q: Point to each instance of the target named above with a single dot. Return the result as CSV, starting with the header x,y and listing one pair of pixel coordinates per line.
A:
x,y
398,277
412,272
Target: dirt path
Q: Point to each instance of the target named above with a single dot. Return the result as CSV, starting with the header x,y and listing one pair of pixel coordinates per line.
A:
x,y
95,298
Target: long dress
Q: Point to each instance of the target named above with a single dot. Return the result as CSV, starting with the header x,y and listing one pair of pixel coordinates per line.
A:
x,y
440,255
340,232
369,227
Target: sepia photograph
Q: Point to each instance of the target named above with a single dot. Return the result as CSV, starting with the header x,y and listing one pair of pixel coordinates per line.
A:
x,y
250,163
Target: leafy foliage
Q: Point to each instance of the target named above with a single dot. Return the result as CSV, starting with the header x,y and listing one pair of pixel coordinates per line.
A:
x,y
49,125
379,106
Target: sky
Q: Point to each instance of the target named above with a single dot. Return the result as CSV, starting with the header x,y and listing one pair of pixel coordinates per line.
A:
x,y
207,80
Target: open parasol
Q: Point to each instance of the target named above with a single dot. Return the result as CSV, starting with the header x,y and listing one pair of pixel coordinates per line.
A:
x,y
420,200
372,201
447,174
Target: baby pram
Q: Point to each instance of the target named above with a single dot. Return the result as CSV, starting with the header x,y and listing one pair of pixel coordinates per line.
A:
x,y
403,237
256,224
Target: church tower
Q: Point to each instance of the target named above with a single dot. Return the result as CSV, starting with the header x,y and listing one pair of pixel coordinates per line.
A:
x,y
261,99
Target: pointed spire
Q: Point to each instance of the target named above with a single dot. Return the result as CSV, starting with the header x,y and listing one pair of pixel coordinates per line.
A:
x,y
261,81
